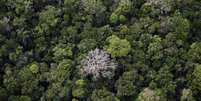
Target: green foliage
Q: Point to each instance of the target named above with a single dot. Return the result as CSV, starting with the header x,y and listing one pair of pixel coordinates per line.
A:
x,y
70,5
68,34
61,72
19,22
159,6
93,6
114,18
183,2
100,50
61,52
195,53
123,7
59,83
177,24
23,81
3,24
187,95
19,98
154,48
87,45
79,90
165,79
125,85
34,68
15,55
21,6
47,19
103,95
3,94
195,81
117,47
151,95
75,100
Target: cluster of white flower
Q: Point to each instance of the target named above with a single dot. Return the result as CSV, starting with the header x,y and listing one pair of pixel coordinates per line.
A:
x,y
97,64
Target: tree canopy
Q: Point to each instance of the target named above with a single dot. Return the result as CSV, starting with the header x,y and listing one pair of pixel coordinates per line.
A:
x,y
100,50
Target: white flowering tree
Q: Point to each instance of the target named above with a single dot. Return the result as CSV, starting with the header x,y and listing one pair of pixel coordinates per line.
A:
x,y
97,64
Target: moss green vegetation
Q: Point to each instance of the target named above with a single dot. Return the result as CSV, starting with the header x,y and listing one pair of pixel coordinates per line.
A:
x,y
100,50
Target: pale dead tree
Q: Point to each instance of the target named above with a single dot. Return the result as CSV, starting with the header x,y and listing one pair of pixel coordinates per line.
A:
x,y
97,64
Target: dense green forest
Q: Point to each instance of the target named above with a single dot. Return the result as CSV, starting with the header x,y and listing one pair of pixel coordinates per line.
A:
x,y
100,50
